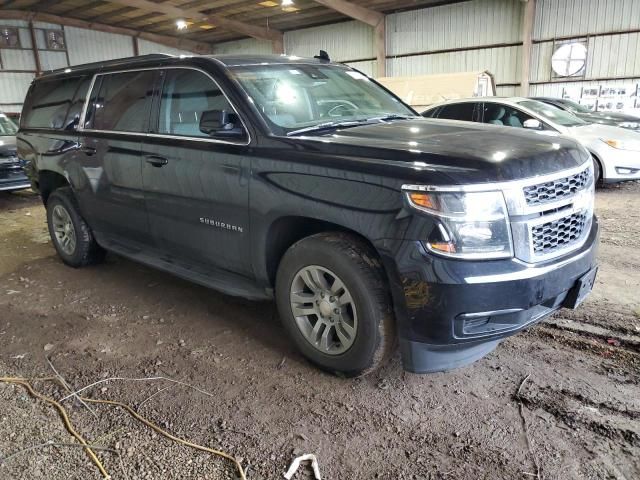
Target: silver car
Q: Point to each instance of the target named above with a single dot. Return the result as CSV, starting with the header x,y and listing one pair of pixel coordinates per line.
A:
x,y
615,151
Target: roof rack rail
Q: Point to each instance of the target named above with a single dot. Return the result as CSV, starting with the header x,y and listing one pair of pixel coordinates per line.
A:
x,y
112,63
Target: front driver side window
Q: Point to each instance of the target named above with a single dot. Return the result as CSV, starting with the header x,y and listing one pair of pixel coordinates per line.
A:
x,y
497,114
186,94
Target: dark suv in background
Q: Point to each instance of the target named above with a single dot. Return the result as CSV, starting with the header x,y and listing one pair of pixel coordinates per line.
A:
x,y
303,180
12,176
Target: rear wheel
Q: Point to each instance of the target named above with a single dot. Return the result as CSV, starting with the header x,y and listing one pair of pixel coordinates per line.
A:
x,y
70,234
334,301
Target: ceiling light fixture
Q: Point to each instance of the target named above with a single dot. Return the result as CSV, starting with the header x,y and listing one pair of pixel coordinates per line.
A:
x,y
181,25
286,3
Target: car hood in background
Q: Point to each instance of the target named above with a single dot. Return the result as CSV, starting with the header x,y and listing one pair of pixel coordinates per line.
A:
x,y
595,131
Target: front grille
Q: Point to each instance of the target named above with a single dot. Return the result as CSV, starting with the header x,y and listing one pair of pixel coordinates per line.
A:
x,y
556,189
559,234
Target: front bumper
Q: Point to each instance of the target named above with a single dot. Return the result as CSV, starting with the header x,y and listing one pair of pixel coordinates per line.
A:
x,y
452,312
620,165
13,179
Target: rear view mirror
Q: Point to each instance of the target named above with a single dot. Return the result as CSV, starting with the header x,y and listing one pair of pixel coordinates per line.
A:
x,y
220,123
533,124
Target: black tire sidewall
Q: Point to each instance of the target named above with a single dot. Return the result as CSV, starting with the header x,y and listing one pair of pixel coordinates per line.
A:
x,y
370,311
83,239
597,171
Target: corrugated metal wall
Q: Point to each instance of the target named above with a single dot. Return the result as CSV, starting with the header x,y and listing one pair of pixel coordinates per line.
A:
x,y
18,66
343,41
466,36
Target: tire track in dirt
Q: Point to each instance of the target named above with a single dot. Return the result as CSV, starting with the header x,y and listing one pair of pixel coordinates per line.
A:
x,y
574,409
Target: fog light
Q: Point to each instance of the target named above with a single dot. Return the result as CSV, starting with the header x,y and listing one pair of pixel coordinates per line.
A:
x,y
626,171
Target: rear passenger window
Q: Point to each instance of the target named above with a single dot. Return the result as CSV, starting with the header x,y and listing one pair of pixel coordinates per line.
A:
x,y
49,102
73,115
185,95
458,111
120,102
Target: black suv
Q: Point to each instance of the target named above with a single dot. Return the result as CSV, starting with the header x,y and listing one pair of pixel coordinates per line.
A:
x,y
303,180
12,176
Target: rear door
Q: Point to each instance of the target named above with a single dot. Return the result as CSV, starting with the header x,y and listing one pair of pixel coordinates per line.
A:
x,y
115,123
197,184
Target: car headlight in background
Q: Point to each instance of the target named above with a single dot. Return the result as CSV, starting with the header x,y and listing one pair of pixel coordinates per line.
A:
x,y
630,125
470,225
633,145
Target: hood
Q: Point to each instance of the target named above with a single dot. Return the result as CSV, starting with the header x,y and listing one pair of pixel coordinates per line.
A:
x,y
461,152
613,116
597,131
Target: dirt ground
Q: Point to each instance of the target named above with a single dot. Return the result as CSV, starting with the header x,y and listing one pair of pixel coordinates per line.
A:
x,y
577,415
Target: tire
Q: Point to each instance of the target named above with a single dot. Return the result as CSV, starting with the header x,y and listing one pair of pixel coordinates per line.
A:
x,y
62,210
597,171
367,321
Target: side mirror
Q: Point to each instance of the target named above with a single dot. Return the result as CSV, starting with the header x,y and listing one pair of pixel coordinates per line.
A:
x,y
533,124
220,123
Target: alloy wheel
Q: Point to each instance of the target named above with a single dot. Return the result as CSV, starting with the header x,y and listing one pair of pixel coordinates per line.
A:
x,y
324,310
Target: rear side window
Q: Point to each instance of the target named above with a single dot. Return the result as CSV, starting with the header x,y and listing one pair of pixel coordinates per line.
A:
x,y
48,103
75,110
458,111
186,94
120,102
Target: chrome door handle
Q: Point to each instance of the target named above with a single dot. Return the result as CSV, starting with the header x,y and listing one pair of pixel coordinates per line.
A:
x,y
156,161
87,150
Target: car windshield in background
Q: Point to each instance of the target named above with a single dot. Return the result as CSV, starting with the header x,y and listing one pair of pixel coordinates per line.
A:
x,y
553,114
297,98
7,127
575,107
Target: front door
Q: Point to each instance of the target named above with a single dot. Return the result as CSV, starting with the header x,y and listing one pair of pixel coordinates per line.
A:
x,y
197,184
110,142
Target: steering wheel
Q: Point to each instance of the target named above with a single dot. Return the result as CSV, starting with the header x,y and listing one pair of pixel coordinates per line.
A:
x,y
335,111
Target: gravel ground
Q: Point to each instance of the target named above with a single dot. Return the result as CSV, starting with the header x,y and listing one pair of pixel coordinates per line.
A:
x,y
577,415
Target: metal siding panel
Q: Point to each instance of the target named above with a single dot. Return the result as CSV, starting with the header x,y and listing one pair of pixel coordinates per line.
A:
x,y
343,41
146,47
47,26
561,18
454,26
25,37
367,67
17,59
14,86
91,46
502,62
53,60
244,46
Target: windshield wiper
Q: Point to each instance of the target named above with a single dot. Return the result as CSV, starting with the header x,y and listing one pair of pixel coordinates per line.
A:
x,y
391,116
325,126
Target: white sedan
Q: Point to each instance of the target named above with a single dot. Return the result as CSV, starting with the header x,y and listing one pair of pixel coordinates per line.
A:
x,y
615,151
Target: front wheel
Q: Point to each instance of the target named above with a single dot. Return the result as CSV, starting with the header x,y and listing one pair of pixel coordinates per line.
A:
x,y
334,301
597,171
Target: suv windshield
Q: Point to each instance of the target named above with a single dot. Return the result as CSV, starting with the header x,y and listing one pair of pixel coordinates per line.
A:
x,y
7,127
553,114
306,97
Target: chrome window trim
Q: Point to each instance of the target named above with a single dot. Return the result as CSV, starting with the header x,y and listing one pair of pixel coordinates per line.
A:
x,y
162,135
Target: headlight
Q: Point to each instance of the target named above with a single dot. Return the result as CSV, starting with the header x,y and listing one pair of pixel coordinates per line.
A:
x,y
623,145
631,125
470,225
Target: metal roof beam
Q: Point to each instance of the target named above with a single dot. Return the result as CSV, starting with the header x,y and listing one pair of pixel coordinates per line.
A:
x,y
261,33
